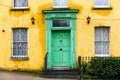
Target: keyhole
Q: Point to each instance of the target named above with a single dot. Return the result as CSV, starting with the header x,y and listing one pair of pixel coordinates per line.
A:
x,y
60,40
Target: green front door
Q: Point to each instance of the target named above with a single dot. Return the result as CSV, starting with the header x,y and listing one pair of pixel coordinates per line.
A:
x,y
60,44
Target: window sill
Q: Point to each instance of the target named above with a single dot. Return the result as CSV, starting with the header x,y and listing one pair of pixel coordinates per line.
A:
x,y
102,8
19,58
102,55
61,7
20,9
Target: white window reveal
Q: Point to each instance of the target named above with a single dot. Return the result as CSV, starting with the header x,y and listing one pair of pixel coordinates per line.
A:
x,y
20,4
20,43
102,41
60,4
101,3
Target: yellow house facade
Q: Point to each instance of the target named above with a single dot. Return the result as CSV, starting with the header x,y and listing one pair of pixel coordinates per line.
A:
x,y
33,30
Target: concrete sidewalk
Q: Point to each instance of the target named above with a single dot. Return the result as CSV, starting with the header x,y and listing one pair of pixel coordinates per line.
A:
x,y
4,75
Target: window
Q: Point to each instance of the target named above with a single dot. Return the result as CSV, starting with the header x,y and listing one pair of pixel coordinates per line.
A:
x,y
20,4
102,41
101,3
20,44
60,4
61,23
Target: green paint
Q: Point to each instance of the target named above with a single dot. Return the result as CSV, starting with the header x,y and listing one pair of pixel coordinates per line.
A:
x,y
60,48
61,11
66,56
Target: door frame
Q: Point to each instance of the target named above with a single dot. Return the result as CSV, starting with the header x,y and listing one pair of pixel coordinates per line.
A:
x,y
70,15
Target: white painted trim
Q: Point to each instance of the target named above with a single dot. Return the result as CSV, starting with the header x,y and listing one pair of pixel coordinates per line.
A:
x,y
102,55
13,3
27,43
101,6
12,43
20,56
20,7
60,6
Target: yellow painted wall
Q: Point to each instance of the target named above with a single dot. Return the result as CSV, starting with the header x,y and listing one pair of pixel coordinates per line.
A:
x,y
37,32
85,32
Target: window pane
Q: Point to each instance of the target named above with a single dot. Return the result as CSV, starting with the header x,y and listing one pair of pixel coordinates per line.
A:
x,y
61,23
24,3
105,47
61,3
56,3
105,34
15,49
97,47
96,2
22,49
23,34
97,34
64,3
16,3
105,2
20,3
15,34
101,3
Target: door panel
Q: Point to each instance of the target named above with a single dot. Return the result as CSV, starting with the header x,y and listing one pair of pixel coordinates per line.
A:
x,y
60,48
65,59
55,57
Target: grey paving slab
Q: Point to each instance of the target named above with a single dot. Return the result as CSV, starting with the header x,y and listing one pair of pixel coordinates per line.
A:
x,y
14,76
23,76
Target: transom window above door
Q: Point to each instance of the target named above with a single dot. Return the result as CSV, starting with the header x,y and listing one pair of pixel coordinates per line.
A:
x,y
101,3
20,4
60,3
60,23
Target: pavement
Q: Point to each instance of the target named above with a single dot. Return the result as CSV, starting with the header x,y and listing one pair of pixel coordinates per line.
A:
x,y
4,75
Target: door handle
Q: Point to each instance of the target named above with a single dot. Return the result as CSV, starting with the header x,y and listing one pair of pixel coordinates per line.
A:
x,y
61,49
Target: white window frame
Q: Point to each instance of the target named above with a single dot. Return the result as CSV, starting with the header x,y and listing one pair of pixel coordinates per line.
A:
x,y
102,6
103,55
23,7
60,6
20,56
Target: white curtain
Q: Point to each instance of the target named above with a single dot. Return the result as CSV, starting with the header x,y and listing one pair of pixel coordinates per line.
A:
x,y
101,3
20,44
20,3
101,40
60,2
